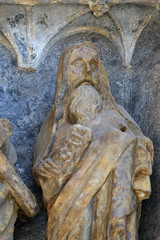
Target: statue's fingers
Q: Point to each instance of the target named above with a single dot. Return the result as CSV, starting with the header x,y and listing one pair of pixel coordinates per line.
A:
x,y
78,129
84,132
73,143
47,167
81,128
65,151
76,136
81,139
42,172
52,164
50,169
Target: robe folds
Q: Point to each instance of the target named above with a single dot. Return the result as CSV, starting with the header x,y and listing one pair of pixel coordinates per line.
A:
x,y
99,201
91,159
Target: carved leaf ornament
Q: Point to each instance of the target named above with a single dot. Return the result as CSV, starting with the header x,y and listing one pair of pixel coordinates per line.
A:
x,y
28,26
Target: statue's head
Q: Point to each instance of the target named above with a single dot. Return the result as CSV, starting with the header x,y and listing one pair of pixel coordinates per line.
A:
x,y
80,65
83,65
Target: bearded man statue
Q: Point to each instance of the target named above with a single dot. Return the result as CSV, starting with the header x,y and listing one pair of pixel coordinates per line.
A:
x,y
91,158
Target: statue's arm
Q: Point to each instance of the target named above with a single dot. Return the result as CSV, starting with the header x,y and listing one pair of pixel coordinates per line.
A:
x,y
22,195
143,162
53,172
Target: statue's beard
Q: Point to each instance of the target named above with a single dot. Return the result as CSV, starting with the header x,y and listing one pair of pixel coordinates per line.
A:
x,y
85,103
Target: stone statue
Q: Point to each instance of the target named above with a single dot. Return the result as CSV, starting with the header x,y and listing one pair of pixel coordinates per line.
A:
x,y
13,193
91,158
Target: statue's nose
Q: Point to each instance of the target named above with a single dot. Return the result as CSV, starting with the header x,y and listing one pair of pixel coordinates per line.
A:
x,y
88,69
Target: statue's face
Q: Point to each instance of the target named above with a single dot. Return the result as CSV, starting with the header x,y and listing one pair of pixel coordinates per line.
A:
x,y
83,66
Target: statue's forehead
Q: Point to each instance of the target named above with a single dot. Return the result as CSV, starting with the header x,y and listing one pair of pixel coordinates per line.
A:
x,y
84,52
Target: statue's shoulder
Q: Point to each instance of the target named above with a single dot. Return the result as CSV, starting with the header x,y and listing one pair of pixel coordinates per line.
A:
x,y
130,121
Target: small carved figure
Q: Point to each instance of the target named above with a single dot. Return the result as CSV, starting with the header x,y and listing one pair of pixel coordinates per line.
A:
x,y
91,158
13,192
99,7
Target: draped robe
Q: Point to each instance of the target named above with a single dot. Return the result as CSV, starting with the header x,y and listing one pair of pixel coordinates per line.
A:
x,y
99,200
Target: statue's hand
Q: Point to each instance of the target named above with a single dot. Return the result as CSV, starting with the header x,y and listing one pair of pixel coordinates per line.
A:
x,y
141,195
78,140
48,168
4,166
82,133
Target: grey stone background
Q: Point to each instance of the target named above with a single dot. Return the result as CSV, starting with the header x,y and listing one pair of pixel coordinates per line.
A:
x,y
26,98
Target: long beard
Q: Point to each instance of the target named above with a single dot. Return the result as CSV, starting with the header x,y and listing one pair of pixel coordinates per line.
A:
x,y
85,104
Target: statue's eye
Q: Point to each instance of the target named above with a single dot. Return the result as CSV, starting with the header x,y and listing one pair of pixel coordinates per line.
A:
x,y
93,65
77,65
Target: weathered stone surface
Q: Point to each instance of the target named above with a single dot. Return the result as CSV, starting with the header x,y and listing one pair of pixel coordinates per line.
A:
x,y
91,159
27,30
13,192
26,98
151,3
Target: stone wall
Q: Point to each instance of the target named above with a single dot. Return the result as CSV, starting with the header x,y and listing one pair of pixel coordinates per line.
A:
x,y
27,85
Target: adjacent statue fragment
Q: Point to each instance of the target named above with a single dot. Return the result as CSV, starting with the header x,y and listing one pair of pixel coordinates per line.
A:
x,y
91,159
13,193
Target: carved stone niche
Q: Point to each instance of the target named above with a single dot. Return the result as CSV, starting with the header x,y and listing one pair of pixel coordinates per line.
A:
x,y
91,158
13,192
36,33
27,26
